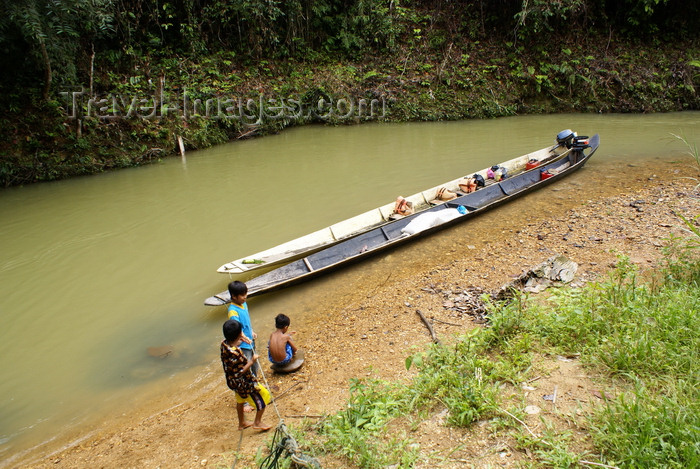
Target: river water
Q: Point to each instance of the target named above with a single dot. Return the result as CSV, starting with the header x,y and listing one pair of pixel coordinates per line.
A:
x,y
97,273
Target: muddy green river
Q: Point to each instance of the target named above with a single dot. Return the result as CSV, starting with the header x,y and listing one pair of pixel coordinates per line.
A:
x,y
98,273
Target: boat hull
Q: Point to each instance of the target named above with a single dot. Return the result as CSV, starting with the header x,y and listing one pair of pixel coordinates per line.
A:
x,y
399,232
264,261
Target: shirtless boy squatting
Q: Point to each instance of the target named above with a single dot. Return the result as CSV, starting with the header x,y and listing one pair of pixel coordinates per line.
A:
x,y
281,348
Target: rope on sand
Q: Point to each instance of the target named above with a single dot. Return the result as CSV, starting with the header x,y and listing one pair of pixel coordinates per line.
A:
x,y
238,450
283,443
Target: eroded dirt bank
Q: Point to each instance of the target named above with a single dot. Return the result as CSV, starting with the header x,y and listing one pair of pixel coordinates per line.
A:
x,y
368,329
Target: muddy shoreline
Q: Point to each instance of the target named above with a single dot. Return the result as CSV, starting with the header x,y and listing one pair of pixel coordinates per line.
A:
x,y
368,325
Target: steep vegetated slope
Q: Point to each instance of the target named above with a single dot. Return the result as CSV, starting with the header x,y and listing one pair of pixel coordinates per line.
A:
x,y
97,85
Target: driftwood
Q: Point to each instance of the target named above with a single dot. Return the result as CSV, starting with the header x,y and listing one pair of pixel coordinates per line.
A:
x,y
247,134
539,278
464,301
429,326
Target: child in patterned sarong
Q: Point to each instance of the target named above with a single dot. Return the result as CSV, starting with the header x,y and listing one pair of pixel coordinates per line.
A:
x,y
239,377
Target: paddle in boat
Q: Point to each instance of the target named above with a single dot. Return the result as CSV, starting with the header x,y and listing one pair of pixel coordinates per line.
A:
x,y
428,211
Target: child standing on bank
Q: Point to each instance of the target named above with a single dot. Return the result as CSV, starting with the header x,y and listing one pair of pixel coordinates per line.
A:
x,y
238,310
281,348
239,377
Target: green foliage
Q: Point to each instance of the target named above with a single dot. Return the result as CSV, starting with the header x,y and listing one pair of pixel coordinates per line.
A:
x,y
460,379
354,432
54,33
693,241
415,53
681,264
651,428
552,448
63,34
641,11
546,16
587,321
371,405
696,64
641,333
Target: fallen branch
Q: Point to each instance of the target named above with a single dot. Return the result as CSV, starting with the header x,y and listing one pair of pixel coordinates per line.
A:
x,y
526,427
289,389
430,328
246,134
448,323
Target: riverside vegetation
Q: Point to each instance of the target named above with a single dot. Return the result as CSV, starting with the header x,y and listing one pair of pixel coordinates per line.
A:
x,y
639,335
102,84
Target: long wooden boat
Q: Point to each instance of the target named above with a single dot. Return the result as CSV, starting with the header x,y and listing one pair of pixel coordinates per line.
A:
x,y
254,264
557,162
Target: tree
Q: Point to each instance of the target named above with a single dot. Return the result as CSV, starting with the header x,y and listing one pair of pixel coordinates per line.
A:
x,y
51,30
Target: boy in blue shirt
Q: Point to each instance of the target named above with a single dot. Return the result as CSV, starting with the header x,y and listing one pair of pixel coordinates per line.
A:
x,y
238,310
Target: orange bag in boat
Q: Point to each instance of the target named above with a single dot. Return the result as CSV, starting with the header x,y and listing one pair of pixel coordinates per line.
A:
x,y
444,194
533,163
403,206
467,184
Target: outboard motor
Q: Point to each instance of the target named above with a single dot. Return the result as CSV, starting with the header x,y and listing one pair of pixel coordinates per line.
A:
x,y
566,137
577,146
580,143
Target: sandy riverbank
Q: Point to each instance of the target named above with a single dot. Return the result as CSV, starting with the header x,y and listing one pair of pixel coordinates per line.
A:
x,y
369,329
